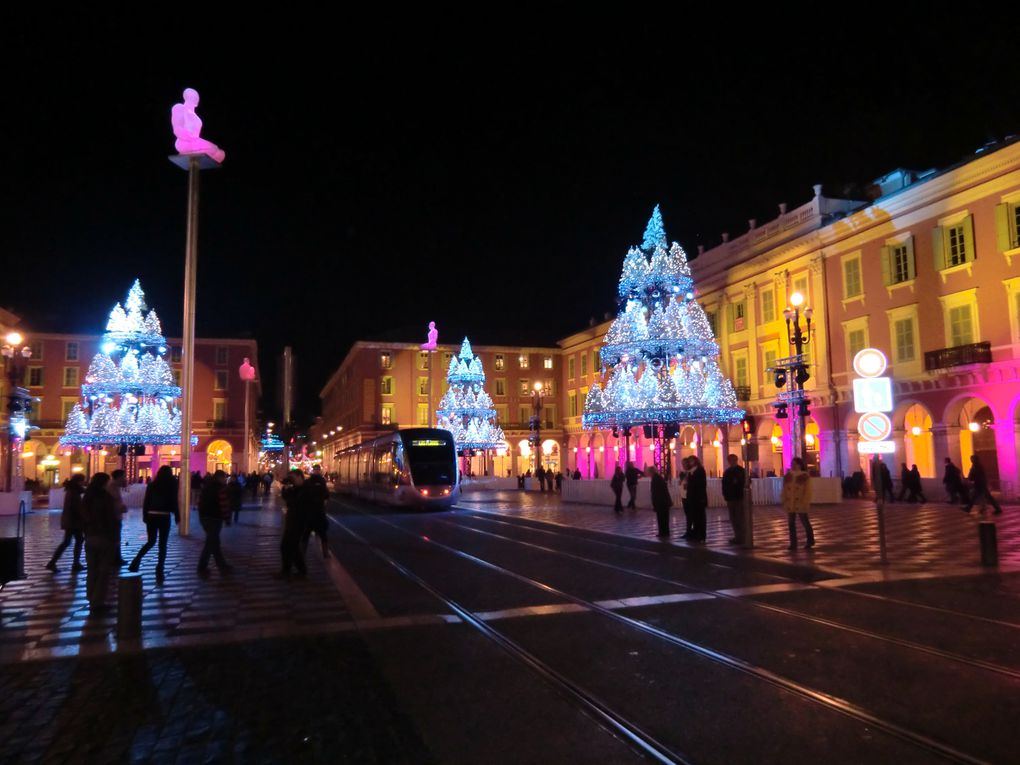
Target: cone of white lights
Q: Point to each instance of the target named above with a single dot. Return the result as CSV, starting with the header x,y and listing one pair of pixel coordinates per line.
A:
x,y
466,409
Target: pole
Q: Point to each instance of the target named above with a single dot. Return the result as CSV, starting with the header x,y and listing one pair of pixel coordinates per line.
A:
x,y
878,485
188,344
247,427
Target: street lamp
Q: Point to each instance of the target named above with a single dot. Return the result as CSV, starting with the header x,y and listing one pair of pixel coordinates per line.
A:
x,y
795,370
14,369
537,397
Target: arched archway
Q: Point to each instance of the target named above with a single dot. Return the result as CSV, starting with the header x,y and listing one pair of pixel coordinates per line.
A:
x,y
973,420
918,441
551,455
218,456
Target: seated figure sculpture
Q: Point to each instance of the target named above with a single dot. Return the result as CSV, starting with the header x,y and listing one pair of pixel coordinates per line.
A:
x,y
187,126
433,338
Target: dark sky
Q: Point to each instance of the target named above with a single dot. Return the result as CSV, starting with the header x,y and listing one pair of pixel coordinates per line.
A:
x,y
485,173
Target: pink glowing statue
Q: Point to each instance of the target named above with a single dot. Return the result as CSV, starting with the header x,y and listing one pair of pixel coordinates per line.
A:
x,y
247,371
433,338
187,126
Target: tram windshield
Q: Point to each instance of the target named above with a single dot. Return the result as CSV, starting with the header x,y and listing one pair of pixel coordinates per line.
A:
x,y
433,460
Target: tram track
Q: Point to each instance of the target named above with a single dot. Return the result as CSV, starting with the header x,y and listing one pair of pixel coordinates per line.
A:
x,y
630,731
793,613
552,530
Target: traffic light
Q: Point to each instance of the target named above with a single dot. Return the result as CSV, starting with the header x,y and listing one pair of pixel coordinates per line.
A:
x,y
780,378
802,409
781,413
801,375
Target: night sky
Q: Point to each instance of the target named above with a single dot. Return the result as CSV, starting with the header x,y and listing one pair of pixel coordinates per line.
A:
x,y
385,172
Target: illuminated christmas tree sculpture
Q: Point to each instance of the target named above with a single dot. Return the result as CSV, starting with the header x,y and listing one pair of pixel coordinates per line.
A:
x,y
660,353
129,397
466,409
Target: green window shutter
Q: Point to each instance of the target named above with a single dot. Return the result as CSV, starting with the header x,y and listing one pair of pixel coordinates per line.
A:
x,y
1002,229
886,266
968,233
911,270
938,248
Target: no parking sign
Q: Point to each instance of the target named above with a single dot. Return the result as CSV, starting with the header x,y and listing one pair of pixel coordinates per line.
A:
x,y
872,397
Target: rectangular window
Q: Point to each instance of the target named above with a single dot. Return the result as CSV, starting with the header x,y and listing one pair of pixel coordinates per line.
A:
x,y
386,417
221,380
386,386
66,405
800,285
961,326
856,341
852,286
901,265
547,387
423,415
584,364
423,359
572,403
500,386
570,368
525,415
71,352
35,377
219,409
37,350
737,316
70,377
385,361
547,362
221,355
711,322
502,414
595,362
177,377
175,355
423,386
904,329
769,357
525,387
768,305
500,363
740,371
550,416
446,360
957,253
522,361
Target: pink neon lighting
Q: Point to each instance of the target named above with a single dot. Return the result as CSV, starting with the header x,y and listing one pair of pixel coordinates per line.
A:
x,y
187,126
433,338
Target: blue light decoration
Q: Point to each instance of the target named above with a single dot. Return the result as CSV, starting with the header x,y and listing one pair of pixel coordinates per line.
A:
x,y
660,352
131,402
466,410
272,443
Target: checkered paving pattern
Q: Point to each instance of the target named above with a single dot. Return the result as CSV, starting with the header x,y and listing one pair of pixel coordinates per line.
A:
x,y
933,539
46,615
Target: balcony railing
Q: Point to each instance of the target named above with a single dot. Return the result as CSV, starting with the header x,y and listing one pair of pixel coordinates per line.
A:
x,y
958,356
743,392
546,425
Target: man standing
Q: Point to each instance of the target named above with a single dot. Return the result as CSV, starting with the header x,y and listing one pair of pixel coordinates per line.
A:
x,y
953,481
633,475
733,482
213,510
979,491
661,501
118,482
697,499
616,484
318,494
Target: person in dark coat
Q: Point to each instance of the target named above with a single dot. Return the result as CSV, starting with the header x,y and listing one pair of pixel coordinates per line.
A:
x,y
632,476
71,523
887,485
318,494
297,501
697,499
734,480
559,481
159,508
577,475
979,491
661,501
235,496
616,484
540,475
953,481
904,482
101,522
213,511
916,489
682,475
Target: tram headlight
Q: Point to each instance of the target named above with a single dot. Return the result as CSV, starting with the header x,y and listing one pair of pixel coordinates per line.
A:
x,y
424,492
446,492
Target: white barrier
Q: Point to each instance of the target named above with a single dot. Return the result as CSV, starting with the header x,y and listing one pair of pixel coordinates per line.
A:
x,y
764,491
486,483
132,496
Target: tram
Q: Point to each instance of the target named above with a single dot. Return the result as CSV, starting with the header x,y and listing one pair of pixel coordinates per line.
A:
x,y
415,468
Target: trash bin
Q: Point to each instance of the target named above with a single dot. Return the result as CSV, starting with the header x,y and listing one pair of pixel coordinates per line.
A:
x,y
12,550
989,544
129,606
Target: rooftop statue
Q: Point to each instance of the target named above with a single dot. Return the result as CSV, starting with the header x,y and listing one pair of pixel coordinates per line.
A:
x,y
187,126
433,338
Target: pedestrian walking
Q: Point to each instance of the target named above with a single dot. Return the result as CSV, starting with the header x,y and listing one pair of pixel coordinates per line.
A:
x,y
71,523
318,494
904,481
213,510
734,481
559,481
235,497
540,475
253,484
101,521
952,479
916,488
697,499
295,498
159,508
887,485
661,501
979,491
616,484
632,475
682,475
267,482
118,482
797,502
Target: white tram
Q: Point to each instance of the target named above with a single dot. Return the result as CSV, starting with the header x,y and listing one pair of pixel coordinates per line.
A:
x,y
416,467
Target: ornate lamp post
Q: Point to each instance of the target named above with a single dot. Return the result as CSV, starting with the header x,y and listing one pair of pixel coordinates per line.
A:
x,y
537,397
14,369
795,370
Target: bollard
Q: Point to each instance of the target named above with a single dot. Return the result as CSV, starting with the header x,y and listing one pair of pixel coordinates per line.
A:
x,y
129,606
989,544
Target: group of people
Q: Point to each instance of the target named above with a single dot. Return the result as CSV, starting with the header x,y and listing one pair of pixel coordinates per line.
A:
x,y
547,479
